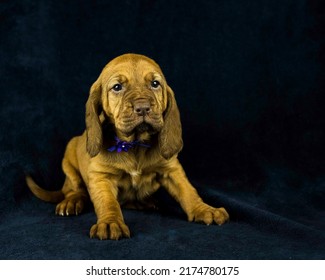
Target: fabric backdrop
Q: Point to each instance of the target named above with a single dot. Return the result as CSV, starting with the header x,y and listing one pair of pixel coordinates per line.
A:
x,y
249,80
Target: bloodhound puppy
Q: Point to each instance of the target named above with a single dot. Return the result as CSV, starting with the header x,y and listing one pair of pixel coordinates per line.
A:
x,y
127,152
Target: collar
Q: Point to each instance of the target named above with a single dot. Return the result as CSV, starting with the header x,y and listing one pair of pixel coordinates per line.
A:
x,y
125,146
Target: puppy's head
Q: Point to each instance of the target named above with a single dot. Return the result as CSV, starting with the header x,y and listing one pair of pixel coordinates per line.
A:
x,y
132,93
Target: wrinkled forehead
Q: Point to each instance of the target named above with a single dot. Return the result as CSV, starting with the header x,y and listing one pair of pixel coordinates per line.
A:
x,y
133,68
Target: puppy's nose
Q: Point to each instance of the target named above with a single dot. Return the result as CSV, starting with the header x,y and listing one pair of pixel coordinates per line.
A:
x,y
141,108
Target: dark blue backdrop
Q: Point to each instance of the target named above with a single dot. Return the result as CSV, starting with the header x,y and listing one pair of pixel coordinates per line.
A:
x,y
249,80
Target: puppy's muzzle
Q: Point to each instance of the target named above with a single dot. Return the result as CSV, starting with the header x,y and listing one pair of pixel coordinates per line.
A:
x,y
141,107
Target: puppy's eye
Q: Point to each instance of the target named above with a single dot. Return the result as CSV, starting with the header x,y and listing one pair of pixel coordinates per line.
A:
x,y
155,84
117,87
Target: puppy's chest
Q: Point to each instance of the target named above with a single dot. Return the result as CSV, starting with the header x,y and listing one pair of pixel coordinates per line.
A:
x,y
137,184
135,177
140,176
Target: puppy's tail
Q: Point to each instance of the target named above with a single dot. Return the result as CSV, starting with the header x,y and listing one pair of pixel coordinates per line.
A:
x,y
48,196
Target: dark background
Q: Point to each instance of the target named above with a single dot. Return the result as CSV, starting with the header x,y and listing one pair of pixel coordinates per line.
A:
x,y
249,81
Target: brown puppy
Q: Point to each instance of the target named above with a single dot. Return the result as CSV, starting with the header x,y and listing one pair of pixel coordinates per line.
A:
x,y
129,149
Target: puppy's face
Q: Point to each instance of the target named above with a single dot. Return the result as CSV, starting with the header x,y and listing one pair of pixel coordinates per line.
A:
x,y
134,94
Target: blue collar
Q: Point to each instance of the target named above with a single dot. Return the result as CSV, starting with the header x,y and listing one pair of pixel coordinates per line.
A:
x,y
125,146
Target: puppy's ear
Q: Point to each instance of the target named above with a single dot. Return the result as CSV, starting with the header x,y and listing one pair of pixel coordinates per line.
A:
x,y
170,137
93,124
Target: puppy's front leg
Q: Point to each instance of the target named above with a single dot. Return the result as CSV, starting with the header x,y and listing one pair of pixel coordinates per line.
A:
x,y
181,189
103,193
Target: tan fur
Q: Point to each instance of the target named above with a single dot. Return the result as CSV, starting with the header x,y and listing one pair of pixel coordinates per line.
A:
x,y
112,179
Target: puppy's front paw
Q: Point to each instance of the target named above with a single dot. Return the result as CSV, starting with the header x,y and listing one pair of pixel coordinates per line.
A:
x,y
114,230
208,214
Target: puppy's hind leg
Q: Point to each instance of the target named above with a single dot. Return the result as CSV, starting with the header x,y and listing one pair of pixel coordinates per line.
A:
x,y
74,200
74,190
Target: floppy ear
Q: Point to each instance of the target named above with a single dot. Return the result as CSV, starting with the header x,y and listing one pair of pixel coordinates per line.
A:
x,y
93,124
170,137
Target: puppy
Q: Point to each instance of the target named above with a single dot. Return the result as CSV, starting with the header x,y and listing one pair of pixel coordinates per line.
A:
x,y
127,152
